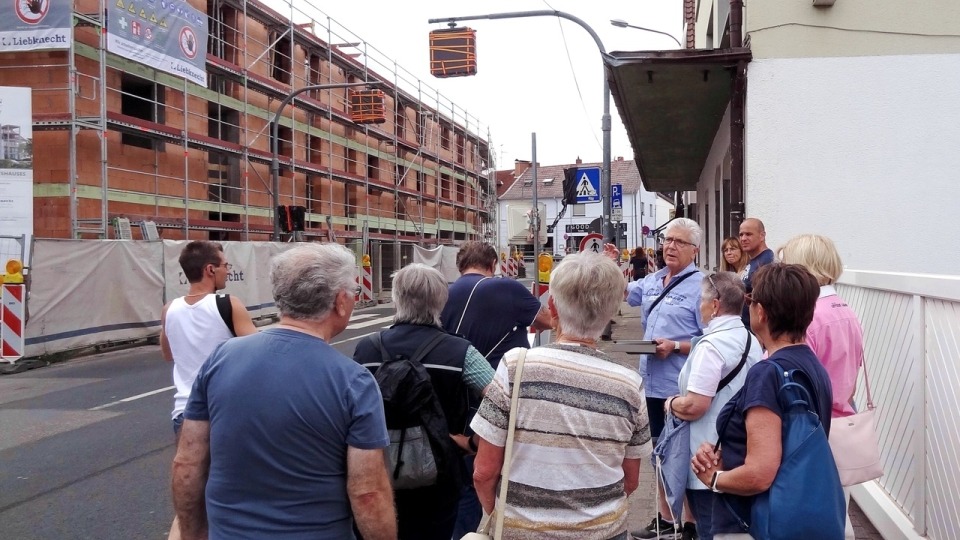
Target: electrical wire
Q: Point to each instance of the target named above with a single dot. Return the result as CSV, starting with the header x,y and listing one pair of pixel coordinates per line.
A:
x,y
576,83
857,30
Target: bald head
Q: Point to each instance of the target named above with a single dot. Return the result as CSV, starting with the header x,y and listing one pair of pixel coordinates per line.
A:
x,y
753,237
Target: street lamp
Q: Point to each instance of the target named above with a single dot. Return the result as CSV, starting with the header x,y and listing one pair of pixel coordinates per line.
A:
x,y
275,143
606,225
620,23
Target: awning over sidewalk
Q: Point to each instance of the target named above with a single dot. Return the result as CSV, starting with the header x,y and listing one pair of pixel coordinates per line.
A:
x,y
672,103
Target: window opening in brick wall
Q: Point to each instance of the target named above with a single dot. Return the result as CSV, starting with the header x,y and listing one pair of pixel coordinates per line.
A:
x,y
461,148
280,57
445,186
444,135
373,167
142,99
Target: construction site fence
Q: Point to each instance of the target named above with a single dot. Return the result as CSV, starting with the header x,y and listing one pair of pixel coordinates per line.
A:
x,y
85,293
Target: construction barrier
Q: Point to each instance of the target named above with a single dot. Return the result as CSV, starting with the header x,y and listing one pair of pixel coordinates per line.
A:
x,y
504,265
511,267
11,321
366,281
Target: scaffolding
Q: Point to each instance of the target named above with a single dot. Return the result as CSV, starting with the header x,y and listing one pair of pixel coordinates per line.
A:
x,y
117,139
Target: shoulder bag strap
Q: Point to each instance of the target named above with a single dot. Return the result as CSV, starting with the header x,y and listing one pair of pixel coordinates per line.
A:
x,y
866,382
378,343
668,288
465,306
743,360
427,346
508,451
225,307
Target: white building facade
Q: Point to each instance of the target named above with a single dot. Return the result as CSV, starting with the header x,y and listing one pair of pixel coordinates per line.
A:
x,y
641,210
841,120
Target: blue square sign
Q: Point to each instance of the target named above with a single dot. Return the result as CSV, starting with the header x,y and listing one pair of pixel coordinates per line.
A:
x,y
616,196
588,185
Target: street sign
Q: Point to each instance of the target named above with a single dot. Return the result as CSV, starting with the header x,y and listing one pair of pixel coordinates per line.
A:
x,y
616,202
592,242
588,185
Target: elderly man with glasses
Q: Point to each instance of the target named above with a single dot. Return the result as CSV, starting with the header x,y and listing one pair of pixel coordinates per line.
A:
x,y
669,301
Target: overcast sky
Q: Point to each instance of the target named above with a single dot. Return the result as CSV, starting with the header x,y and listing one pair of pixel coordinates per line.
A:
x,y
525,83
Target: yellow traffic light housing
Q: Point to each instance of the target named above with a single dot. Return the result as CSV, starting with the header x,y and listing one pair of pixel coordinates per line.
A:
x,y
544,267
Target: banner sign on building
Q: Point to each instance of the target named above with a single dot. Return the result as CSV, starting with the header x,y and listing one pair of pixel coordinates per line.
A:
x,y
167,35
30,25
16,165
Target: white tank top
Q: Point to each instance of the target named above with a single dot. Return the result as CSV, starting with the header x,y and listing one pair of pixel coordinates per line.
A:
x,y
193,332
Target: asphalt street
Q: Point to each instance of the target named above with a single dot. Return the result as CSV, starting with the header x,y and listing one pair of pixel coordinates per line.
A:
x,y
86,445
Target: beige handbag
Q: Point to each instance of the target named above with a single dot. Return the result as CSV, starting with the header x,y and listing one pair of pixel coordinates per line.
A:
x,y
484,532
853,440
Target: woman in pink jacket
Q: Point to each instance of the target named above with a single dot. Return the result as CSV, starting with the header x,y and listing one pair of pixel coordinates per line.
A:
x,y
835,334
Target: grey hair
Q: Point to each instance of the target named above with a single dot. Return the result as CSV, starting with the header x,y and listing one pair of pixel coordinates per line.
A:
x,y
587,289
307,279
693,229
419,294
729,290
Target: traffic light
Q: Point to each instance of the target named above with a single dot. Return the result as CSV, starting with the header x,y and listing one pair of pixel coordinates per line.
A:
x,y
453,52
570,185
298,217
283,218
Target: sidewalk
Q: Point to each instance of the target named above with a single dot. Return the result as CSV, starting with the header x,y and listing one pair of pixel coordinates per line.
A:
x,y
643,505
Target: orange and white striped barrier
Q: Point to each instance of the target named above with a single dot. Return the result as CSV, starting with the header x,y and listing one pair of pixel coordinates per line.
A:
x,y
504,266
366,284
511,267
11,321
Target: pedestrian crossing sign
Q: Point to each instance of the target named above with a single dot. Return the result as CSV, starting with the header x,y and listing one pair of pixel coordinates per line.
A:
x,y
588,185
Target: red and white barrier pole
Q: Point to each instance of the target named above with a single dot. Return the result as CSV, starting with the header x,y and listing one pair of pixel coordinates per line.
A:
x,y
12,321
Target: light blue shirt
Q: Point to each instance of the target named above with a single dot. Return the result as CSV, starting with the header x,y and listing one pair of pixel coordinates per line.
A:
x,y
676,317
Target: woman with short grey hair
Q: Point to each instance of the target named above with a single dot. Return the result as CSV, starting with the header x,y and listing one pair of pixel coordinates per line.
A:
x,y
580,416
419,294
308,279
714,372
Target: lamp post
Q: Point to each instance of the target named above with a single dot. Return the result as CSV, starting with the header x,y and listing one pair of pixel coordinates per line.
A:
x,y
606,225
620,23
275,143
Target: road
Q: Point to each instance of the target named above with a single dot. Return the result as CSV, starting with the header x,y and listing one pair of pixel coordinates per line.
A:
x,y
86,446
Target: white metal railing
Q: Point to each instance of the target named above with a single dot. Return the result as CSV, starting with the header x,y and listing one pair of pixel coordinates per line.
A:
x,y
911,326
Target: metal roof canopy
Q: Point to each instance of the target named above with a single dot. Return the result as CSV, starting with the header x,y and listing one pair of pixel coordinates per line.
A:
x,y
672,103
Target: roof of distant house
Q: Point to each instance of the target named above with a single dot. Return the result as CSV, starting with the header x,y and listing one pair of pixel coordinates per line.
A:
x,y
550,179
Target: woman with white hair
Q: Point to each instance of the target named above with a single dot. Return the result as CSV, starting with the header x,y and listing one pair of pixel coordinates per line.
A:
x,y
581,423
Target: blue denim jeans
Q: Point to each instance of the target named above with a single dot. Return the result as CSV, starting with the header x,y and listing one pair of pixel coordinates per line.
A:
x,y
469,511
177,425
701,503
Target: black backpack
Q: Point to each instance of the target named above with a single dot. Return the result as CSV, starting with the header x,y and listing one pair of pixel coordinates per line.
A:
x,y
421,451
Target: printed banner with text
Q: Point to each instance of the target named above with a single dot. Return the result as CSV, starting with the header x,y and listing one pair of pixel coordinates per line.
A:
x,y
31,25
169,36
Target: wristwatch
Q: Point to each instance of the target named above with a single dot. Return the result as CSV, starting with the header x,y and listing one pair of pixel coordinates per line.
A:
x,y
713,481
676,346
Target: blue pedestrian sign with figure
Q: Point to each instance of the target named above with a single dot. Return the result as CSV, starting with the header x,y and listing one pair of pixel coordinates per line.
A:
x,y
588,185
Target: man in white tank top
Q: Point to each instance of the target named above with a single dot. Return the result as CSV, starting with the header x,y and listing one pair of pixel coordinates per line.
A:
x,y
192,327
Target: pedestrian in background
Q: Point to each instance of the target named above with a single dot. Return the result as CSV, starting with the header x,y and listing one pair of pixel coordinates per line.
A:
x,y
753,241
638,261
734,259
283,435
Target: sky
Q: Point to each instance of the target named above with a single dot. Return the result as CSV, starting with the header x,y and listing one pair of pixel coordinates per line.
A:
x,y
526,82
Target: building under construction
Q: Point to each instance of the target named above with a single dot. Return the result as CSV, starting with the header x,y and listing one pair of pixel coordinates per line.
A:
x,y
116,138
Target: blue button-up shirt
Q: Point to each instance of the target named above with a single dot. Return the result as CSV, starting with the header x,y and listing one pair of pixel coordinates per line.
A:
x,y
676,317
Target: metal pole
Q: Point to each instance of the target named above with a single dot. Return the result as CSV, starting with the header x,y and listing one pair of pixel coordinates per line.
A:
x,y
535,218
275,144
605,226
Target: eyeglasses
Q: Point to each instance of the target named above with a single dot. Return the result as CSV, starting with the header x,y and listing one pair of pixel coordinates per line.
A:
x,y
357,290
749,299
680,243
713,284
226,265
